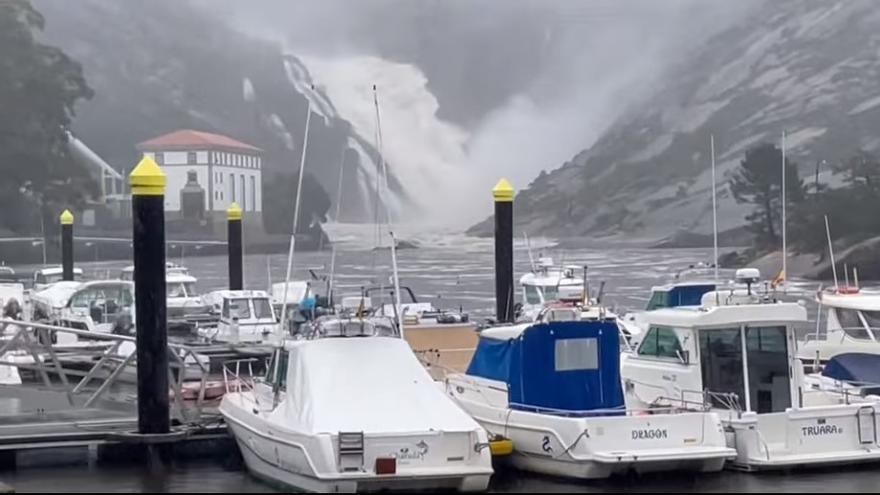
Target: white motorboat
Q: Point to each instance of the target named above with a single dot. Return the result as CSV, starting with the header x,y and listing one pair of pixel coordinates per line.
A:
x,y
46,276
350,408
736,350
246,316
553,388
542,285
101,306
852,325
48,304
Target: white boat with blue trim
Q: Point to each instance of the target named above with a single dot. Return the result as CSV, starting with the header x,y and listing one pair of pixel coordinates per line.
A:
x,y
553,388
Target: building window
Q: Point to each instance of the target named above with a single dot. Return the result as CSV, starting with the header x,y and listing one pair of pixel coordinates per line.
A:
x,y
160,158
191,158
232,186
243,195
253,193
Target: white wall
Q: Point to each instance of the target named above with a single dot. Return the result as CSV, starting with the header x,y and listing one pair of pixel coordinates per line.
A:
x,y
222,188
176,167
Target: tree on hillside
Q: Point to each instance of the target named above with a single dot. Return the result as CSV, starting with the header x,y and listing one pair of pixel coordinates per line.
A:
x,y
758,181
39,87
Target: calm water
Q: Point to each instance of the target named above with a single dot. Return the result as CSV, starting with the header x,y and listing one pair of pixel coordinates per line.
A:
x,y
452,271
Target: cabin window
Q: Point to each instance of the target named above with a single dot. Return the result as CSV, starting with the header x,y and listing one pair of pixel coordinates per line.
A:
x,y
577,354
551,293
191,157
660,342
851,323
532,295
660,299
872,318
262,309
181,289
237,308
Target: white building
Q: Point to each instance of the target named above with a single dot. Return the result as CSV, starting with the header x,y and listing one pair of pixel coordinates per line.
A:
x,y
228,170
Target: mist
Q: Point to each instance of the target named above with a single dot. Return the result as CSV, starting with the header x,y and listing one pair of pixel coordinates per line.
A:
x,y
475,90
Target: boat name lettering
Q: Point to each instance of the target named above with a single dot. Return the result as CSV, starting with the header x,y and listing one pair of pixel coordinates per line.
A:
x,y
416,454
649,434
819,430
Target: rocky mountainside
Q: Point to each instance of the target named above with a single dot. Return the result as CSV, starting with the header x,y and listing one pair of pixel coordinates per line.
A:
x,y
164,65
806,67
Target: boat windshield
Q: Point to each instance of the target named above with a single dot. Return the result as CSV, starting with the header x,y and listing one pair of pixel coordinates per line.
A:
x,y
182,289
858,324
262,309
237,308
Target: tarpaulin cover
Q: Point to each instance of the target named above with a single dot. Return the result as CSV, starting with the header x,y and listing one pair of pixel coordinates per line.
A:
x,y
539,378
854,367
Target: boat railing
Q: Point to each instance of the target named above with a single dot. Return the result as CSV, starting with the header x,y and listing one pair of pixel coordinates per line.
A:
x,y
848,390
233,381
614,411
86,370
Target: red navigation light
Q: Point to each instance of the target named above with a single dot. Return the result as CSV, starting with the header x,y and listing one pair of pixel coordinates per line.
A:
x,y
386,465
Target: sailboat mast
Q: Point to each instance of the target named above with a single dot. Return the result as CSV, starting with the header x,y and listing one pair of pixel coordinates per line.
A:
x,y
784,246
831,253
302,165
714,210
336,221
384,172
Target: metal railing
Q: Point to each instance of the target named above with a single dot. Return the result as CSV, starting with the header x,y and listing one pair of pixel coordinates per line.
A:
x,y
96,357
238,383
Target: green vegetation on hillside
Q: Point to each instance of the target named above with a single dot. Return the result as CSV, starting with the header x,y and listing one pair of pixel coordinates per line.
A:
x,y
39,88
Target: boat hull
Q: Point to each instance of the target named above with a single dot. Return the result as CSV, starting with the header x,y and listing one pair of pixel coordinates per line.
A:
x,y
596,447
310,461
808,437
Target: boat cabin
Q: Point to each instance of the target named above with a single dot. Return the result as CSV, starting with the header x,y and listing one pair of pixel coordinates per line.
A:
x,y
542,284
558,367
851,321
50,275
737,349
246,316
100,305
678,294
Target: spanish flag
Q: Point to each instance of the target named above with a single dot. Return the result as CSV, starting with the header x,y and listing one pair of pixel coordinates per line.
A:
x,y
778,280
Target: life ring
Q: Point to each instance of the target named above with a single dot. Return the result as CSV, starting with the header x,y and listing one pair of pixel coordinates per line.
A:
x,y
848,290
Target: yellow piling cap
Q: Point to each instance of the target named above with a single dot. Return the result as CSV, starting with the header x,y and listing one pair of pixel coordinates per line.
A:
x,y
66,217
233,212
147,179
503,191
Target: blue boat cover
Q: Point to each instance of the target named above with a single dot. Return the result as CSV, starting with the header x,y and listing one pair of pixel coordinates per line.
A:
x,y
688,295
854,367
567,366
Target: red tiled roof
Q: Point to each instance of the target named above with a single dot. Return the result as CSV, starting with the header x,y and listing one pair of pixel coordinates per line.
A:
x,y
188,139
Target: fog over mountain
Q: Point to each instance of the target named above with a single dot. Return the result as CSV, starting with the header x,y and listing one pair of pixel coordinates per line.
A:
x,y
472,90
469,90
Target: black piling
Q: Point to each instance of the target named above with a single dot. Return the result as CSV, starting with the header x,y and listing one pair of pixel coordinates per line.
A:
x,y
66,245
233,240
503,194
148,217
